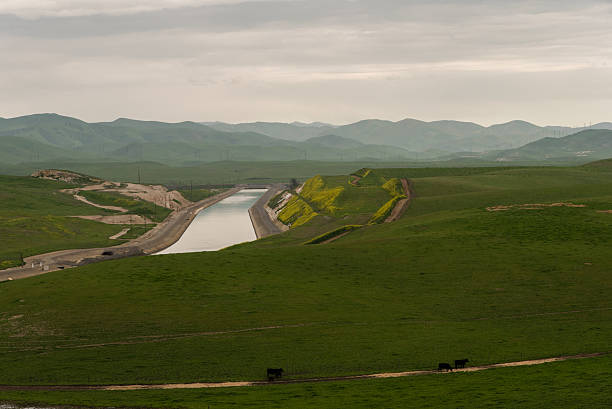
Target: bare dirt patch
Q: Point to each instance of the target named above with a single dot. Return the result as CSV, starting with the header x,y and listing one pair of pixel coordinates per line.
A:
x,y
157,194
64,176
111,208
605,211
121,233
118,219
355,180
532,206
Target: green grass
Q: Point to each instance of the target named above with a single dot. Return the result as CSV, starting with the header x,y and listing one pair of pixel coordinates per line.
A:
x,y
570,384
500,283
150,210
34,219
229,172
446,281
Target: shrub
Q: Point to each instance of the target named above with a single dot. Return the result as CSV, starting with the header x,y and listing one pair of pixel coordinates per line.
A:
x,y
326,236
394,187
276,200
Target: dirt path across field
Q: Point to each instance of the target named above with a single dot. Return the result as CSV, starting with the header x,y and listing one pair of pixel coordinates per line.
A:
x,y
111,208
355,180
531,206
121,233
401,205
383,375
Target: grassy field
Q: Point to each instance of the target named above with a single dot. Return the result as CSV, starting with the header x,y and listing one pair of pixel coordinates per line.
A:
x,y
449,280
570,384
224,172
34,219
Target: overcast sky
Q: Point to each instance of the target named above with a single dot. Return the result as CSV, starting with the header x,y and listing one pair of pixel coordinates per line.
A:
x,y
338,61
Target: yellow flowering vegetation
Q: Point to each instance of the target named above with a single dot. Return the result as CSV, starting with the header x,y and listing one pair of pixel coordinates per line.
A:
x,y
384,211
396,190
394,187
320,196
296,212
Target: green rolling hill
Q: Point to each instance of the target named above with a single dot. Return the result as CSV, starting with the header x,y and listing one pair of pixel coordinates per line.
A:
x,y
586,145
450,279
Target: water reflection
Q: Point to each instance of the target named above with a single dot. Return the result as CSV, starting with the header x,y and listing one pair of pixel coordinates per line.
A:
x,y
221,225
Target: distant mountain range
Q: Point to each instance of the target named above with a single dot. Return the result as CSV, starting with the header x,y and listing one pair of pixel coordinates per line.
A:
x,y
415,135
44,137
52,137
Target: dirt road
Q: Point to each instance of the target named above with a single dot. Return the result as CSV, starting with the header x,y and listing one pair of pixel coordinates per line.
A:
x,y
384,375
157,239
401,205
263,224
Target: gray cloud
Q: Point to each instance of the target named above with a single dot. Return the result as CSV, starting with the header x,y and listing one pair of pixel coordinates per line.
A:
x,y
545,61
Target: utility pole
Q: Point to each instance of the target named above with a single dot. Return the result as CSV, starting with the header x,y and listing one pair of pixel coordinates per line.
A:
x,y
191,190
138,174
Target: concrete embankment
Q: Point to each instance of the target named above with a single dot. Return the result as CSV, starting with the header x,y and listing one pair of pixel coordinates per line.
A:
x,y
263,223
162,236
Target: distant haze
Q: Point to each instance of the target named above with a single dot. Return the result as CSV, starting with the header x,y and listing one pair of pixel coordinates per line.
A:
x,y
547,62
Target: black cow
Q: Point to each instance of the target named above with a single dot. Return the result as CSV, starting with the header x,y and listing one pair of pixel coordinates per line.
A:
x,y
444,366
460,363
274,373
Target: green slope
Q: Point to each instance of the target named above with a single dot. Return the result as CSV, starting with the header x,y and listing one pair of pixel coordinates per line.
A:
x,y
16,149
588,145
35,218
448,280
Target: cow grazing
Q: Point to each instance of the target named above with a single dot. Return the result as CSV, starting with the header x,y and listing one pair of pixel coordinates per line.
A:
x,y
274,373
460,363
444,366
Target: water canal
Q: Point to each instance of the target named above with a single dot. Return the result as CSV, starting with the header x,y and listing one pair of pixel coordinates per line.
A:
x,y
221,225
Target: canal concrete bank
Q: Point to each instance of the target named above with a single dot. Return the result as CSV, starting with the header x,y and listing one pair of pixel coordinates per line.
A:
x,y
162,236
263,223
